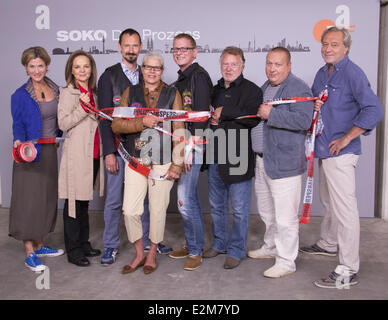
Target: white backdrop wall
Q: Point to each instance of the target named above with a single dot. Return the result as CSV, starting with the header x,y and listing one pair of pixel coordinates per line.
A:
x,y
64,26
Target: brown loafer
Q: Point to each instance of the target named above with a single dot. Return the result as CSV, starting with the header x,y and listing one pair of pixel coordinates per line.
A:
x,y
231,263
129,269
149,269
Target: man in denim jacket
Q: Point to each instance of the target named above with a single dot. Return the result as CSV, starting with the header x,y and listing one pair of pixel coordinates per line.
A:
x,y
278,142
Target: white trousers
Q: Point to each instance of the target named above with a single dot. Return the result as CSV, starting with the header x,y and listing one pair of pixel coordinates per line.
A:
x,y
341,224
278,202
135,190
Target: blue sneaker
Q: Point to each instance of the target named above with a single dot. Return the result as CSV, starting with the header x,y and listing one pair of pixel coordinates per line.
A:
x,y
34,263
109,256
162,249
46,251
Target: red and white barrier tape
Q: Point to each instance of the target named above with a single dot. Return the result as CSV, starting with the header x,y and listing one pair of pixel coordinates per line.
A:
x,y
163,114
309,145
137,166
282,101
126,116
26,151
130,160
291,100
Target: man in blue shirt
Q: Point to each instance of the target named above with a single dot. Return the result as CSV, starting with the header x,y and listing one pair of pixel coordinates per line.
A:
x,y
351,109
114,80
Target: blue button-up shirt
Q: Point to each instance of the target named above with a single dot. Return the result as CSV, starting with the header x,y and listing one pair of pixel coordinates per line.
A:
x,y
351,102
133,76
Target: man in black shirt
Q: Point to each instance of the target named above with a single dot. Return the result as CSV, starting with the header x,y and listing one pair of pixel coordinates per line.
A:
x,y
231,174
194,85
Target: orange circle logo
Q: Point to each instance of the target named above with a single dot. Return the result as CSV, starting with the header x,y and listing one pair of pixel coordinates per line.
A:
x,y
321,26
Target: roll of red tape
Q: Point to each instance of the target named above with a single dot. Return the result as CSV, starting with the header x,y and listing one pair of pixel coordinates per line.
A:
x,y
24,152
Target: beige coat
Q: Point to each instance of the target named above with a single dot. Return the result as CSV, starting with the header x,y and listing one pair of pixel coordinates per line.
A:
x,y
76,168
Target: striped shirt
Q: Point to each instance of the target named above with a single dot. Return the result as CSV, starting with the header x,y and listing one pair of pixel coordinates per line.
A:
x,y
257,133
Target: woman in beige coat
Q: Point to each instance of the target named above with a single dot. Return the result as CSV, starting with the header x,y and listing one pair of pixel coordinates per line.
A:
x,y
81,155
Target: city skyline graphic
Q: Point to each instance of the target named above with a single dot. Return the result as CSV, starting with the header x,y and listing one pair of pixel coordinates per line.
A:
x,y
167,48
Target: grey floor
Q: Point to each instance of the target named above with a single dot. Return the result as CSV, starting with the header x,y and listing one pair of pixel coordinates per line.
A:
x,y
209,282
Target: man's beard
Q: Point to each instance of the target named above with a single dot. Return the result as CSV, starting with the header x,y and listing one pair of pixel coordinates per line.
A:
x,y
130,58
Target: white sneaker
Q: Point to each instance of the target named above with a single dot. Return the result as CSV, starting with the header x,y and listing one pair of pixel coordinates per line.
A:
x,y
259,254
277,271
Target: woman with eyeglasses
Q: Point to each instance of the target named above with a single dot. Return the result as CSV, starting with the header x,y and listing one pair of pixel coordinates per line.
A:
x,y
33,209
151,149
81,165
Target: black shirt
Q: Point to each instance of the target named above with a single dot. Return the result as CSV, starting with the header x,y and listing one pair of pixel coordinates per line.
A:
x,y
195,86
241,98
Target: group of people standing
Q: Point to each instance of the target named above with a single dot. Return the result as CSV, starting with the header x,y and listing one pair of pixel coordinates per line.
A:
x,y
268,142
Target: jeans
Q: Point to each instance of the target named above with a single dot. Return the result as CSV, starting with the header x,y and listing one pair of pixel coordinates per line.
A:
x,y
239,194
113,204
190,209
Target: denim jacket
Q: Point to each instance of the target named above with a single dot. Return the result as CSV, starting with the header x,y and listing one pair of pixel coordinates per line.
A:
x,y
285,130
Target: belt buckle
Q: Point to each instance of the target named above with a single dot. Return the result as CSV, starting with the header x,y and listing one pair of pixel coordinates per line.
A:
x,y
144,161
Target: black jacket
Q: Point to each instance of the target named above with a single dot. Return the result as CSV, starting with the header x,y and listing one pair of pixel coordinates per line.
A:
x,y
243,97
111,85
195,86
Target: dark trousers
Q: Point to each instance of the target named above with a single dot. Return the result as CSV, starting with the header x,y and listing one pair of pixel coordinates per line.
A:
x,y
76,229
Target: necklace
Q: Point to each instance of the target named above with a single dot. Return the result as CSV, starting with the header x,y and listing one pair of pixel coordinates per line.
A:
x,y
41,89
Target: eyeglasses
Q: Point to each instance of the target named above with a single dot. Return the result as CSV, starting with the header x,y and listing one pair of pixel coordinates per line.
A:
x,y
153,68
183,49
233,65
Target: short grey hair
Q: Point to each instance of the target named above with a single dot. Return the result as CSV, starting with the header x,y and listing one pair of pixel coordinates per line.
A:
x,y
345,34
233,51
153,54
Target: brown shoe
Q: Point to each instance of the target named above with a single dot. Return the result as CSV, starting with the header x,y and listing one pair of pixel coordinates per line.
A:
x,y
149,269
129,269
231,263
211,253
193,262
179,254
